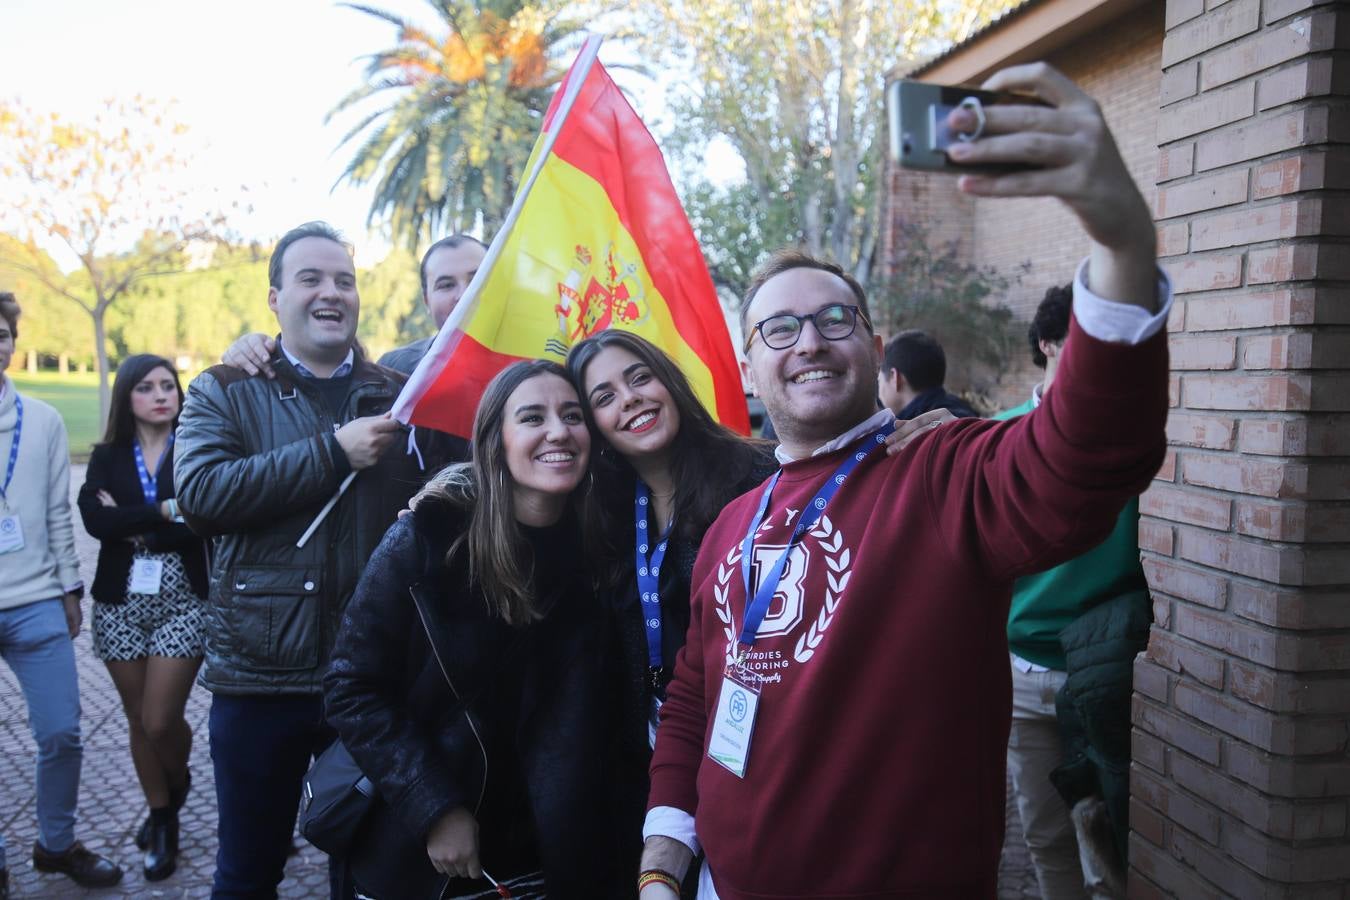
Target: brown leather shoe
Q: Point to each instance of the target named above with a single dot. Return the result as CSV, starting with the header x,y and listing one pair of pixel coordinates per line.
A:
x,y
83,867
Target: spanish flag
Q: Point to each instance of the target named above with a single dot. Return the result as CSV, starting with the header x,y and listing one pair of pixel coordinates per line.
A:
x,y
595,239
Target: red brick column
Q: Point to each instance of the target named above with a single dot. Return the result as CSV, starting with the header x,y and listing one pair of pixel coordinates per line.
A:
x,y
1241,776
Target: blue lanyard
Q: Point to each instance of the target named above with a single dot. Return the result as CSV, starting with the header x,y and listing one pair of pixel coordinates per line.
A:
x,y
13,448
150,483
768,585
648,578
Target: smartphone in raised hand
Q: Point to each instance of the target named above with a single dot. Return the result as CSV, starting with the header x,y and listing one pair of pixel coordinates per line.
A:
x,y
917,112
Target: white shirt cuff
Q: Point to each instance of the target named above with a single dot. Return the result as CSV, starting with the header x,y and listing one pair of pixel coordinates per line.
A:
x,y
1119,323
676,824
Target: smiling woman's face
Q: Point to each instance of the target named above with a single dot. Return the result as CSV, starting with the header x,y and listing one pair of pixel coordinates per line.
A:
x,y
545,439
632,408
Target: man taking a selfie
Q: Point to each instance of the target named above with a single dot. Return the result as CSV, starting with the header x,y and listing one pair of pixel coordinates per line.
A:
x,y
833,730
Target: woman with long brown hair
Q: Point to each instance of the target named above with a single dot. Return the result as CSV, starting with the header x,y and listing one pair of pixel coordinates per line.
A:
x,y
465,677
148,591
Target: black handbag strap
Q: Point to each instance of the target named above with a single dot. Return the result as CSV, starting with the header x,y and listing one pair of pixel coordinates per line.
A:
x,y
439,652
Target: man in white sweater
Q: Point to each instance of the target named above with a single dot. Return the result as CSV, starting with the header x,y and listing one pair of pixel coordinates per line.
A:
x,y
40,614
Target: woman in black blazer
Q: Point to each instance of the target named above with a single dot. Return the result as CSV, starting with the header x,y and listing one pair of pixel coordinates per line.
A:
x,y
148,591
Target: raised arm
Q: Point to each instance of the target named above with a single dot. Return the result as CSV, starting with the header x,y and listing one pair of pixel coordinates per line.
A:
x,y
1031,493
1078,162
1021,496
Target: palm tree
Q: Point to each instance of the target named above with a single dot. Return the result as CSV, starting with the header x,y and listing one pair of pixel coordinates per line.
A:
x,y
465,107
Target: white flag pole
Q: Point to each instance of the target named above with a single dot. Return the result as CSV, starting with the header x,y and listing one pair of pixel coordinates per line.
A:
x,y
430,365
327,508
423,376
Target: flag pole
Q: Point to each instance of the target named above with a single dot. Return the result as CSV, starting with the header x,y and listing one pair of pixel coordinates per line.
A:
x,y
423,375
327,508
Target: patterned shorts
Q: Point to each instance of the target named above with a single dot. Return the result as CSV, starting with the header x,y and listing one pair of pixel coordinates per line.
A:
x,y
169,623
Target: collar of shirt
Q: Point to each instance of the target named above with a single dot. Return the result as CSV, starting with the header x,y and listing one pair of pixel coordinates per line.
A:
x,y
344,368
870,424
4,387
1036,393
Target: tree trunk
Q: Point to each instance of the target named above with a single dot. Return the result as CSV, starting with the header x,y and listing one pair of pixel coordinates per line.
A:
x,y
101,354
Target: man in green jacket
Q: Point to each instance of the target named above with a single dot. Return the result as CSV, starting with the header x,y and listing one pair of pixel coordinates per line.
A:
x,y
1043,606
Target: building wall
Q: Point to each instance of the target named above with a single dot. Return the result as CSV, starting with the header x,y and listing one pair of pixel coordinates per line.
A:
x,y
1120,68
1240,785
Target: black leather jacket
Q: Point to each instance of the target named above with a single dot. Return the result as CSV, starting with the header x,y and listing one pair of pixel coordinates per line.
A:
x,y
531,734
254,461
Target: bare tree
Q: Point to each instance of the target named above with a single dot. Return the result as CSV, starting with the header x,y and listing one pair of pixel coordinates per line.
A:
x,y
795,86
105,192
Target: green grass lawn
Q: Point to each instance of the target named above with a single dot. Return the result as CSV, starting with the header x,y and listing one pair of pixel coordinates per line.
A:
x,y
75,397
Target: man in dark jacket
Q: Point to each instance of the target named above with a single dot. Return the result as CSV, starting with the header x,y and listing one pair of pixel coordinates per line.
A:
x,y
913,370
256,460
447,268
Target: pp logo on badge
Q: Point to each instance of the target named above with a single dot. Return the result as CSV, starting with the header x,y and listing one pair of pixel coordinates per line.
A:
x,y
7,526
739,706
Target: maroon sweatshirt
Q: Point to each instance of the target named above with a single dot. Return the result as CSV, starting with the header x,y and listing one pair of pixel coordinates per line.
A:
x,y
876,767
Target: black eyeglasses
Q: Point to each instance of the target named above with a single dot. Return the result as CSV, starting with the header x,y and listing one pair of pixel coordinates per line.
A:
x,y
833,323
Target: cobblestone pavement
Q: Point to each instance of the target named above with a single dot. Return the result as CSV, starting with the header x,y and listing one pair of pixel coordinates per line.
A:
x,y
111,805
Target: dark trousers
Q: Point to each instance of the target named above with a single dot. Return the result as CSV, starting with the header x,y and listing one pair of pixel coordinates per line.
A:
x,y
261,747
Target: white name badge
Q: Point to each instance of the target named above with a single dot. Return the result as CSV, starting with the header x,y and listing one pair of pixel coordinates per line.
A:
x,y
146,575
11,534
733,724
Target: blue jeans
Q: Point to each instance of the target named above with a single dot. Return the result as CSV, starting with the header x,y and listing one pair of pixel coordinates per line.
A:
x,y
35,642
261,747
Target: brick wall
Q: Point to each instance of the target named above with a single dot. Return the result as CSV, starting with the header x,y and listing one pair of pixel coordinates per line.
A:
x,y
1241,778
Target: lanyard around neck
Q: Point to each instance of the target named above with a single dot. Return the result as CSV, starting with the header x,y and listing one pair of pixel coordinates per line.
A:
x,y
648,577
757,607
149,481
13,449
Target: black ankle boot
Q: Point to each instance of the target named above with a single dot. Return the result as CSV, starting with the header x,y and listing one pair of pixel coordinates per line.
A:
x,y
143,834
161,856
